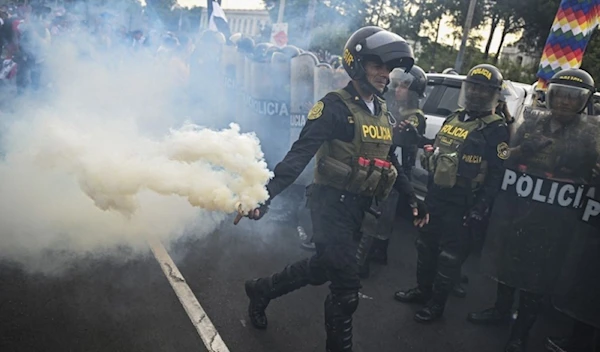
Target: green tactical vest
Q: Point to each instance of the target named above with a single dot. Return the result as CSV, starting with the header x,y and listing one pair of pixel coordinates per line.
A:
x,y
341,165
458,156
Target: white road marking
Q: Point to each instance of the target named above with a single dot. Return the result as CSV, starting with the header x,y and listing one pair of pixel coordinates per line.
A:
x,y
209,334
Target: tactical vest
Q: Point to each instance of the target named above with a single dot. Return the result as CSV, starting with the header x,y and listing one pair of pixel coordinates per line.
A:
x,y
457,158
360,166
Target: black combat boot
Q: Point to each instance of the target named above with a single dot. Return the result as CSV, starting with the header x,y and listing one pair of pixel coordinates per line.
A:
x,y
529,306
500,312
435,307
338,321
419,295
262,291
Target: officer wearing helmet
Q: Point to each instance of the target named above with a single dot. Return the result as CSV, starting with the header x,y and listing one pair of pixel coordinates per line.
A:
x,y
552,161
465,165
405,91
349,134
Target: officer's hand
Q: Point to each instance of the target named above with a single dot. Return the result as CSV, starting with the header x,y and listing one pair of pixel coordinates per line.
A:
x,y
474,216
420,214
406,127
258,213
534,145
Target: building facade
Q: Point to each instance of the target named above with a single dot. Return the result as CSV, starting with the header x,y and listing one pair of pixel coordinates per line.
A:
x,y
248,22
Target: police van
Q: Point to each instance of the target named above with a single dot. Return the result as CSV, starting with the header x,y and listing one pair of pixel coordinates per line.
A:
x,y
441,99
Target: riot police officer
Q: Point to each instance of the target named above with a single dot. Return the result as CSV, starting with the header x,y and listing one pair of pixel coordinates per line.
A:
x,y
535,215
465,167
406,89
350,134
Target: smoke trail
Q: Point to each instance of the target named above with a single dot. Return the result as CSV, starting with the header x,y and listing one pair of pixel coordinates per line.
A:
x,y
110,157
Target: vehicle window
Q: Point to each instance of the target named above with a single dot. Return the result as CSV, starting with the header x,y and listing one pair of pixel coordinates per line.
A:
x,y
428,90
449,101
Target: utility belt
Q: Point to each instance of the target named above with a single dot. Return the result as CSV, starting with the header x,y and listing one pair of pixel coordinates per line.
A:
x,y
366,177
450,170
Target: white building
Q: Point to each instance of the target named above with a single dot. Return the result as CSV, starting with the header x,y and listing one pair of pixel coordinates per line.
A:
x,y
247,22
519,55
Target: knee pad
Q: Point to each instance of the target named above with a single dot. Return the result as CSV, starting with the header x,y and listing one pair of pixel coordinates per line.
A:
x,y
449,260
347,302
423,247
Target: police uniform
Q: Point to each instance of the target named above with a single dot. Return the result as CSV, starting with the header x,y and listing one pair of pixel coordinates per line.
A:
x,y
378,225
465,170
536,224
352,148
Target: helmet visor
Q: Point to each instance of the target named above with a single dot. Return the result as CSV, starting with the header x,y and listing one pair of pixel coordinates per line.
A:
x,y
567,99
401,79
478,97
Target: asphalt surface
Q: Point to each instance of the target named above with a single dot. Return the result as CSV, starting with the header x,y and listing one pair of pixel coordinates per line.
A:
x,y
105,305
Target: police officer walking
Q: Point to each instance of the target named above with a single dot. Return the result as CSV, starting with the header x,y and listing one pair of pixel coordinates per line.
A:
x,y
350,134
406,89
536,216
465,167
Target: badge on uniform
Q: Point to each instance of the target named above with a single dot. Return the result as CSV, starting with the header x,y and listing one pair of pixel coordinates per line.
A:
x,y
316,111
413,120
503,151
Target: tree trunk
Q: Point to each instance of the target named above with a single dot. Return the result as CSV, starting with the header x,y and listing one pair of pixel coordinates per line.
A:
x,y
435,44
505,30
494,25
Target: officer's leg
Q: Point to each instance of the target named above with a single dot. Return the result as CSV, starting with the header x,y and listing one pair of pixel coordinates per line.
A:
x,y
529,307
581,339
454,247
500,312
427,244
261,291
384,228
342,301
340,224
307,271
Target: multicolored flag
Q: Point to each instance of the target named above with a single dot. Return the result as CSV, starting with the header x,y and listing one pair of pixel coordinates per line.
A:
x,y
573,26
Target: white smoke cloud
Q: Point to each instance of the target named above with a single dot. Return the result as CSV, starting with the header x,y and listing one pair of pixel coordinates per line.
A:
x,y
108,159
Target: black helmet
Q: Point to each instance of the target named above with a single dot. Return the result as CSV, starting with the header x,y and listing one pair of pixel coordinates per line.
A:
x,y
260,52
569,91
450,71
481,89
415,80
245,45
374,42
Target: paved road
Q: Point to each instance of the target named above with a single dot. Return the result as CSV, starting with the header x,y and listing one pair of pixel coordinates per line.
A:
x,y
130,306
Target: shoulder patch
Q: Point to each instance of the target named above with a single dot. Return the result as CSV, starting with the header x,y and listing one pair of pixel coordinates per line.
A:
x,y
503,151
414,120
316,111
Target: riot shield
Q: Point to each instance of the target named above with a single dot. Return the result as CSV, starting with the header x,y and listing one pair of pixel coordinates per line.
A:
x,y
267,103
227,98
302,100
538,209
578,289
340,78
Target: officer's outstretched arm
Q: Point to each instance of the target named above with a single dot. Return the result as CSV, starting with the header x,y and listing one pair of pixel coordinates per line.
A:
x,y
323,121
